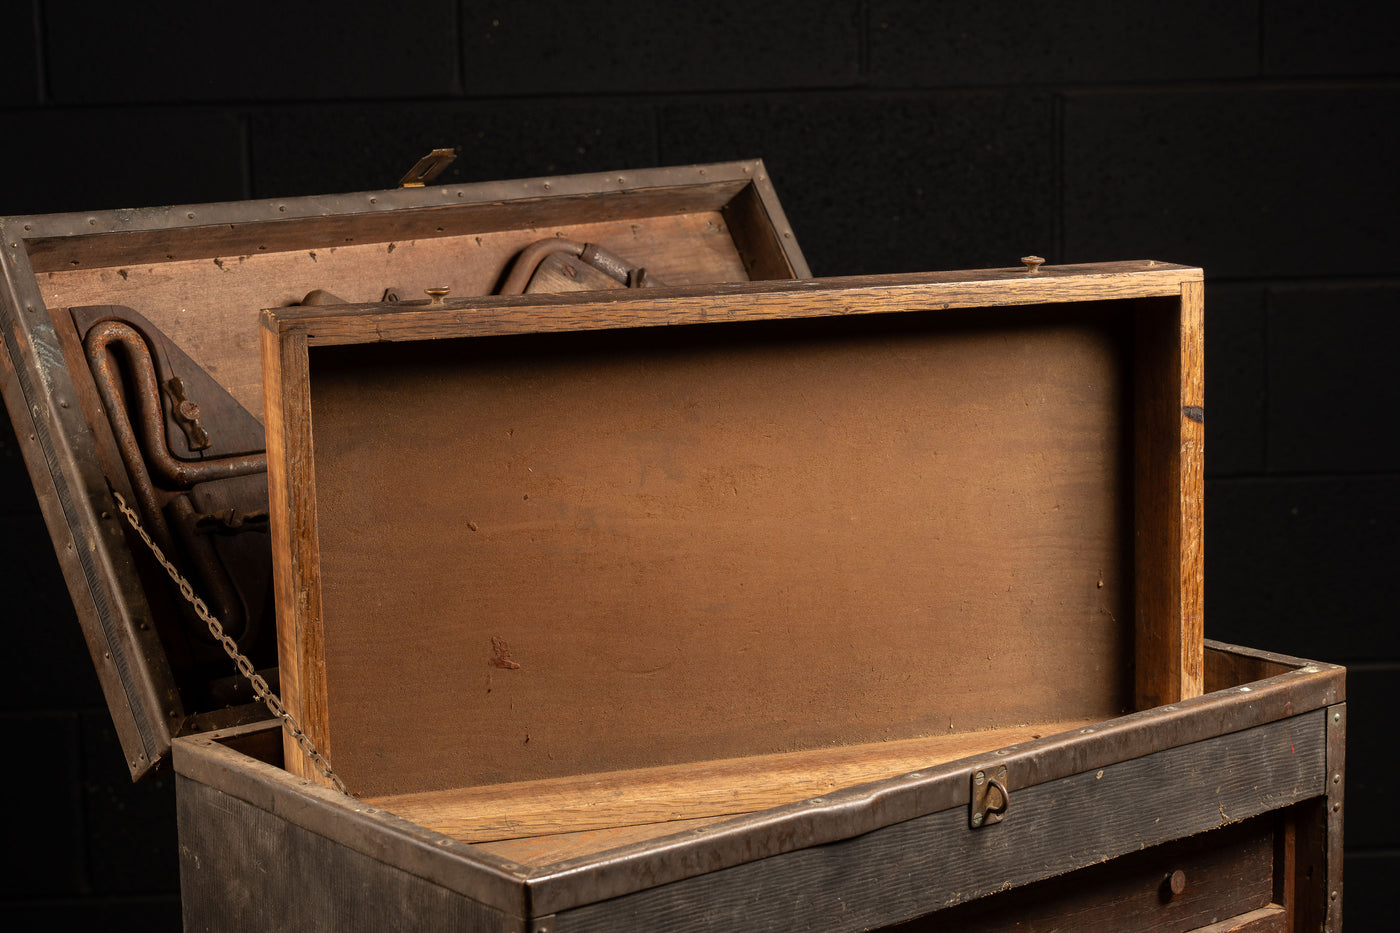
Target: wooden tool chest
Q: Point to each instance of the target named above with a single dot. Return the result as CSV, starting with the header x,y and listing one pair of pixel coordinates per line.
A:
x,y
667,588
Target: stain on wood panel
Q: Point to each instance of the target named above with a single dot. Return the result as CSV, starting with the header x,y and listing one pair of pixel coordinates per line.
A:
x,y
718,542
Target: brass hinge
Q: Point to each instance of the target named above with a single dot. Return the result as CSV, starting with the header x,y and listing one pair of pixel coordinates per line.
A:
x,y
428,168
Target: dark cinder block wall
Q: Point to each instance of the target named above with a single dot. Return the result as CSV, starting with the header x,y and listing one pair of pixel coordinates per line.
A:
x,y
1254,138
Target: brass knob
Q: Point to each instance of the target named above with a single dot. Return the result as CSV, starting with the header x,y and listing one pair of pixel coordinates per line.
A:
x,y
1173,885
436,295
1033,263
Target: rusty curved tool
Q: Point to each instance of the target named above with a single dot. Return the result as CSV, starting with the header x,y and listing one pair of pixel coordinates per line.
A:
x,y
154,445
596,256
153,442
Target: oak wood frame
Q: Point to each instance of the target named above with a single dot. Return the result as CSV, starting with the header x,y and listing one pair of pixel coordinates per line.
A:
x,y
1168,425
50,262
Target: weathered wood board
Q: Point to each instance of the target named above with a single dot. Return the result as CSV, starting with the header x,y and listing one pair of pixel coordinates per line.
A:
x,y
526,539
189,282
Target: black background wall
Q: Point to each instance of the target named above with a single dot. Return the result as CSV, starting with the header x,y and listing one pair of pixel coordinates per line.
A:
x,y
1256,139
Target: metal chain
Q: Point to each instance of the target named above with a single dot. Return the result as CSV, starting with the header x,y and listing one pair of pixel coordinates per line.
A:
x,y
240,660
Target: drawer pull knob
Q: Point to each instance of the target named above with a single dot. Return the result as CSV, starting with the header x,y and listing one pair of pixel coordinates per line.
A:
x,y
1174,884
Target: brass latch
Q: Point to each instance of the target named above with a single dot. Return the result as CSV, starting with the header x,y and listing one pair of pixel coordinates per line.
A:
x,y
428,168
990,798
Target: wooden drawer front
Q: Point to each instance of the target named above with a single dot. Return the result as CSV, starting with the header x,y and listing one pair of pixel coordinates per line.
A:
x,y
1271,919
1225,883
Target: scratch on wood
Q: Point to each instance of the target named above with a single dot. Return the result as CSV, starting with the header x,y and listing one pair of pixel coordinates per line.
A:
x,y
500,654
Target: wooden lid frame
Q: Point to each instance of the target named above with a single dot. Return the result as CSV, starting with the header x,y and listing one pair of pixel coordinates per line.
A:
x,y
1159,310
201,272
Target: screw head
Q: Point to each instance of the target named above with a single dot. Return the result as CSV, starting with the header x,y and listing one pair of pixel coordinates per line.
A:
x,y
1176,883
979,778
976,819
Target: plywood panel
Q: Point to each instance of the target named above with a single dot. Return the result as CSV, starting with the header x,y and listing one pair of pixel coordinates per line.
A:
x,y
558,554
210,307
657,801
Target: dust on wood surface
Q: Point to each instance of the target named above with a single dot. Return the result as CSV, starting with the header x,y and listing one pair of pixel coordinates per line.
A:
x,y
605,810
210,307
701,543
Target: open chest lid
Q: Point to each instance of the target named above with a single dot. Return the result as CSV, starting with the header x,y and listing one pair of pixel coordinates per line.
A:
x,y
518,539
132,368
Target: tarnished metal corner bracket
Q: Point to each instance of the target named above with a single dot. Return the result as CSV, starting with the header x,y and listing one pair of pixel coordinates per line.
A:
x,y
990,798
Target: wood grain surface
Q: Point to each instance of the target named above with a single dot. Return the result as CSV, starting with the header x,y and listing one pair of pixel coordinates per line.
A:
x,y
552,555
291,493
934,862
210,306
587,545
1169,502
1225,873
114,238
657,801
735,302
1270,919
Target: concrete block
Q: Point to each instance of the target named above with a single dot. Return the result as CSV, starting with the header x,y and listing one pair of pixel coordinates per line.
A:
x,y
1004,42
1333,392
556,47
327,150
1246,182
1305,565
1235,379
97,159
175,52
896,183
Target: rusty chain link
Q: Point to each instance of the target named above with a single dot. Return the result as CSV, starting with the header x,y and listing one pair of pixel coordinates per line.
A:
x,y
240,660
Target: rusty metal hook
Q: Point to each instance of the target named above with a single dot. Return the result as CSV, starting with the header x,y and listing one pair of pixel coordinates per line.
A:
x,y
596,256
153,442
997,809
